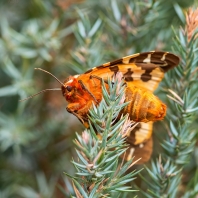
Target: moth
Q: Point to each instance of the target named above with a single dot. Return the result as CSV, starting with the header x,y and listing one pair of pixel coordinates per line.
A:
x,y
142,73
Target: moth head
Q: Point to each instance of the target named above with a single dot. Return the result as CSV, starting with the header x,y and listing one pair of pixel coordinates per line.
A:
x,y
71,87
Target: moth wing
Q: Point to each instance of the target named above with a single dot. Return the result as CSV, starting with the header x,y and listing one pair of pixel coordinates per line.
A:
x,y
141,133
142,69
140,143
142,151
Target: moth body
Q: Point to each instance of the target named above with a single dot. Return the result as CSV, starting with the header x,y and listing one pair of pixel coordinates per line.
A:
x,y
144,106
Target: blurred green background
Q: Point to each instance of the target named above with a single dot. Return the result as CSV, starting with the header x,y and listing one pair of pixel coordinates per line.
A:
x,y
64,37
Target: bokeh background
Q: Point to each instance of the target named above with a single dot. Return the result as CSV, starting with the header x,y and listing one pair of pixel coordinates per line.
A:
x,y
64,37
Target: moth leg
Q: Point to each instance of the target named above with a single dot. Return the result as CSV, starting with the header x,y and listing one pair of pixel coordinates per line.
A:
x,y
85,88
71,109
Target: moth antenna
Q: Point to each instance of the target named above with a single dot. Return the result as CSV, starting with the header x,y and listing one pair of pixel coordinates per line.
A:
x,y
55,89
50,75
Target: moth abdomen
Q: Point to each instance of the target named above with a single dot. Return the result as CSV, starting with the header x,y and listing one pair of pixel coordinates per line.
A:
x,y
144,106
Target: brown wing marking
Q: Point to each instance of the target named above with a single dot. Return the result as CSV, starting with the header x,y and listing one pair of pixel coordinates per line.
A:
x,y
165,60
140,134
143,75
140,143
144,69
148,78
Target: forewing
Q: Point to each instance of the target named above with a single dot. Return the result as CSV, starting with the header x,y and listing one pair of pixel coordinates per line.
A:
x,y
142,69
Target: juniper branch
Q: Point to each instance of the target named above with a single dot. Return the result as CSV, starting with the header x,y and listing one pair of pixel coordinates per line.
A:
x,y
98,171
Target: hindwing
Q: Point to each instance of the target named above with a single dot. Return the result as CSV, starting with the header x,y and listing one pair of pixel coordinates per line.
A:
x,y
140,142
141,151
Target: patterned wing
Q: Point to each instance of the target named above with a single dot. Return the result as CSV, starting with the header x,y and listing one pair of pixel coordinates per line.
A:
x,y
142,69
141,151
141,133
140,142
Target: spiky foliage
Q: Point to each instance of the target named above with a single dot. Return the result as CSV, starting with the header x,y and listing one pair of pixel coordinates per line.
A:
x,y
99,173
163,179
